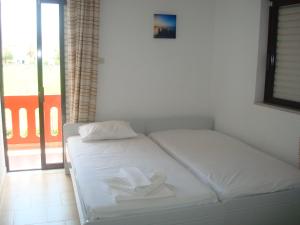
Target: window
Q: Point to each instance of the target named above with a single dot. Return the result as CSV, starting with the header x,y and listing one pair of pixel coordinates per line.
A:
x,y
282,85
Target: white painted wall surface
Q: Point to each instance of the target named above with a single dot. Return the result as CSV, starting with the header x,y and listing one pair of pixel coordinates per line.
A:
x,y
146,77
239,57
215,67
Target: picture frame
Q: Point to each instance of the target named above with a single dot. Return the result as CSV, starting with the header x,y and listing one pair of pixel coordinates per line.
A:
x,y
164,26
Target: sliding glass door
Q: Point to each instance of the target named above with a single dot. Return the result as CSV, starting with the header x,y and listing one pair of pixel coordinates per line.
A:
x,y
33,83
51,82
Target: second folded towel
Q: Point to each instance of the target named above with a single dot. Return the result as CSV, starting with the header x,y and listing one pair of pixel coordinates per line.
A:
x,y
132,184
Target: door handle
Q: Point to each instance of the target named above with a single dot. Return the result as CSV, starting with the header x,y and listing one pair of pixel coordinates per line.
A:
x,y
272,60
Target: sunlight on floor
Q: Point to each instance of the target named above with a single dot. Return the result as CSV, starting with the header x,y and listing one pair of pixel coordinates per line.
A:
x,y
38,198
24,159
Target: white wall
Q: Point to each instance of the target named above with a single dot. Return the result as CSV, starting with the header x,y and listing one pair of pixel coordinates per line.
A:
x,y
239,58
146,77
215,67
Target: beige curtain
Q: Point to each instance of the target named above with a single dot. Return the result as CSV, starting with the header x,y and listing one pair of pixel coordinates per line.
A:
x,y
82,58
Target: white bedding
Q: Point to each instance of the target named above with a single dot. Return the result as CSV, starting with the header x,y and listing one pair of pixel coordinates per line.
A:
x,y
231,167
95,161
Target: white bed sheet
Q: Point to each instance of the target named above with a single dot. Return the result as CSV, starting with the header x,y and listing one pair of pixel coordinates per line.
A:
x,y
231,167
94,161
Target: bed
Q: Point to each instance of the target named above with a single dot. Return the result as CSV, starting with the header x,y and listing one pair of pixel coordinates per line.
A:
x,y
197,202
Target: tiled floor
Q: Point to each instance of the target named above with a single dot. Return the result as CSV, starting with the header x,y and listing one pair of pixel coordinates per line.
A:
x,y
26,159
39,198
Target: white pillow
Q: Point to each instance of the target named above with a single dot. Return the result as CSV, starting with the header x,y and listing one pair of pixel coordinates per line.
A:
x,y
106,130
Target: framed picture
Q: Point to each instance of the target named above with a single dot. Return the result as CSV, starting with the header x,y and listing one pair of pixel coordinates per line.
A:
x,y
164,26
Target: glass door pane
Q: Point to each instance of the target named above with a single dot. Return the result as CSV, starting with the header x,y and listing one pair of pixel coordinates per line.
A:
x,y
20,83
52,83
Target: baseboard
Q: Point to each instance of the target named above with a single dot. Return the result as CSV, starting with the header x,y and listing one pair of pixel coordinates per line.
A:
x,y
2,180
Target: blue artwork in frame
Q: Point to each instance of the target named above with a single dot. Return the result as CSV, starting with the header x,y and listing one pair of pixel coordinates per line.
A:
x,y
164,26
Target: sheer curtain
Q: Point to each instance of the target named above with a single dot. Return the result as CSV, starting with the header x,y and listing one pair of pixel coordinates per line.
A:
x,y
82,58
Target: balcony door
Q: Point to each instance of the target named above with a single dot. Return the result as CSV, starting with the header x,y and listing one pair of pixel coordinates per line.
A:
x,y
33,80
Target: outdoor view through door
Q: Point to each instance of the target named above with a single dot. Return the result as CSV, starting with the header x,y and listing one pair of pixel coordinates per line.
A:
x,y
32,80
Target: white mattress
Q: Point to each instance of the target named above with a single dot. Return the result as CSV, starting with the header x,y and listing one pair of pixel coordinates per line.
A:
x,y
231,167
92,162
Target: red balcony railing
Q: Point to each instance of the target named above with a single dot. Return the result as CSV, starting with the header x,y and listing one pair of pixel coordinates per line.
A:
x,y
29,104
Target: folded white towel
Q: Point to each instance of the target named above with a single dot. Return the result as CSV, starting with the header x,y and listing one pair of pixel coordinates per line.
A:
x,y
120,183
161,192
157,179
132,184
129,180
135,177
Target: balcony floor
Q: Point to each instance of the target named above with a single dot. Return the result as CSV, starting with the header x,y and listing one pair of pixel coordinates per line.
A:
x,y
27,159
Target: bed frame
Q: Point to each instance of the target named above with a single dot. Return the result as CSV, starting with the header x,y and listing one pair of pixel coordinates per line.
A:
x,y
268,209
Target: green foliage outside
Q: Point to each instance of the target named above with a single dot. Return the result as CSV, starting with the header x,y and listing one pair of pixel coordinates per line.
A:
x,y
21,80
7,56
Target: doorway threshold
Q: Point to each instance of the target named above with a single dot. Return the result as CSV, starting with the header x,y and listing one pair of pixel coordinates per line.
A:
x,y
30,159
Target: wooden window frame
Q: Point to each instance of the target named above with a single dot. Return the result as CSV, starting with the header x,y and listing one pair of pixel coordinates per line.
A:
x,y
271,56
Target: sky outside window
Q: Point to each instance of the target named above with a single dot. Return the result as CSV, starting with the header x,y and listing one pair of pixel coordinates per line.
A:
x,y
19,47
